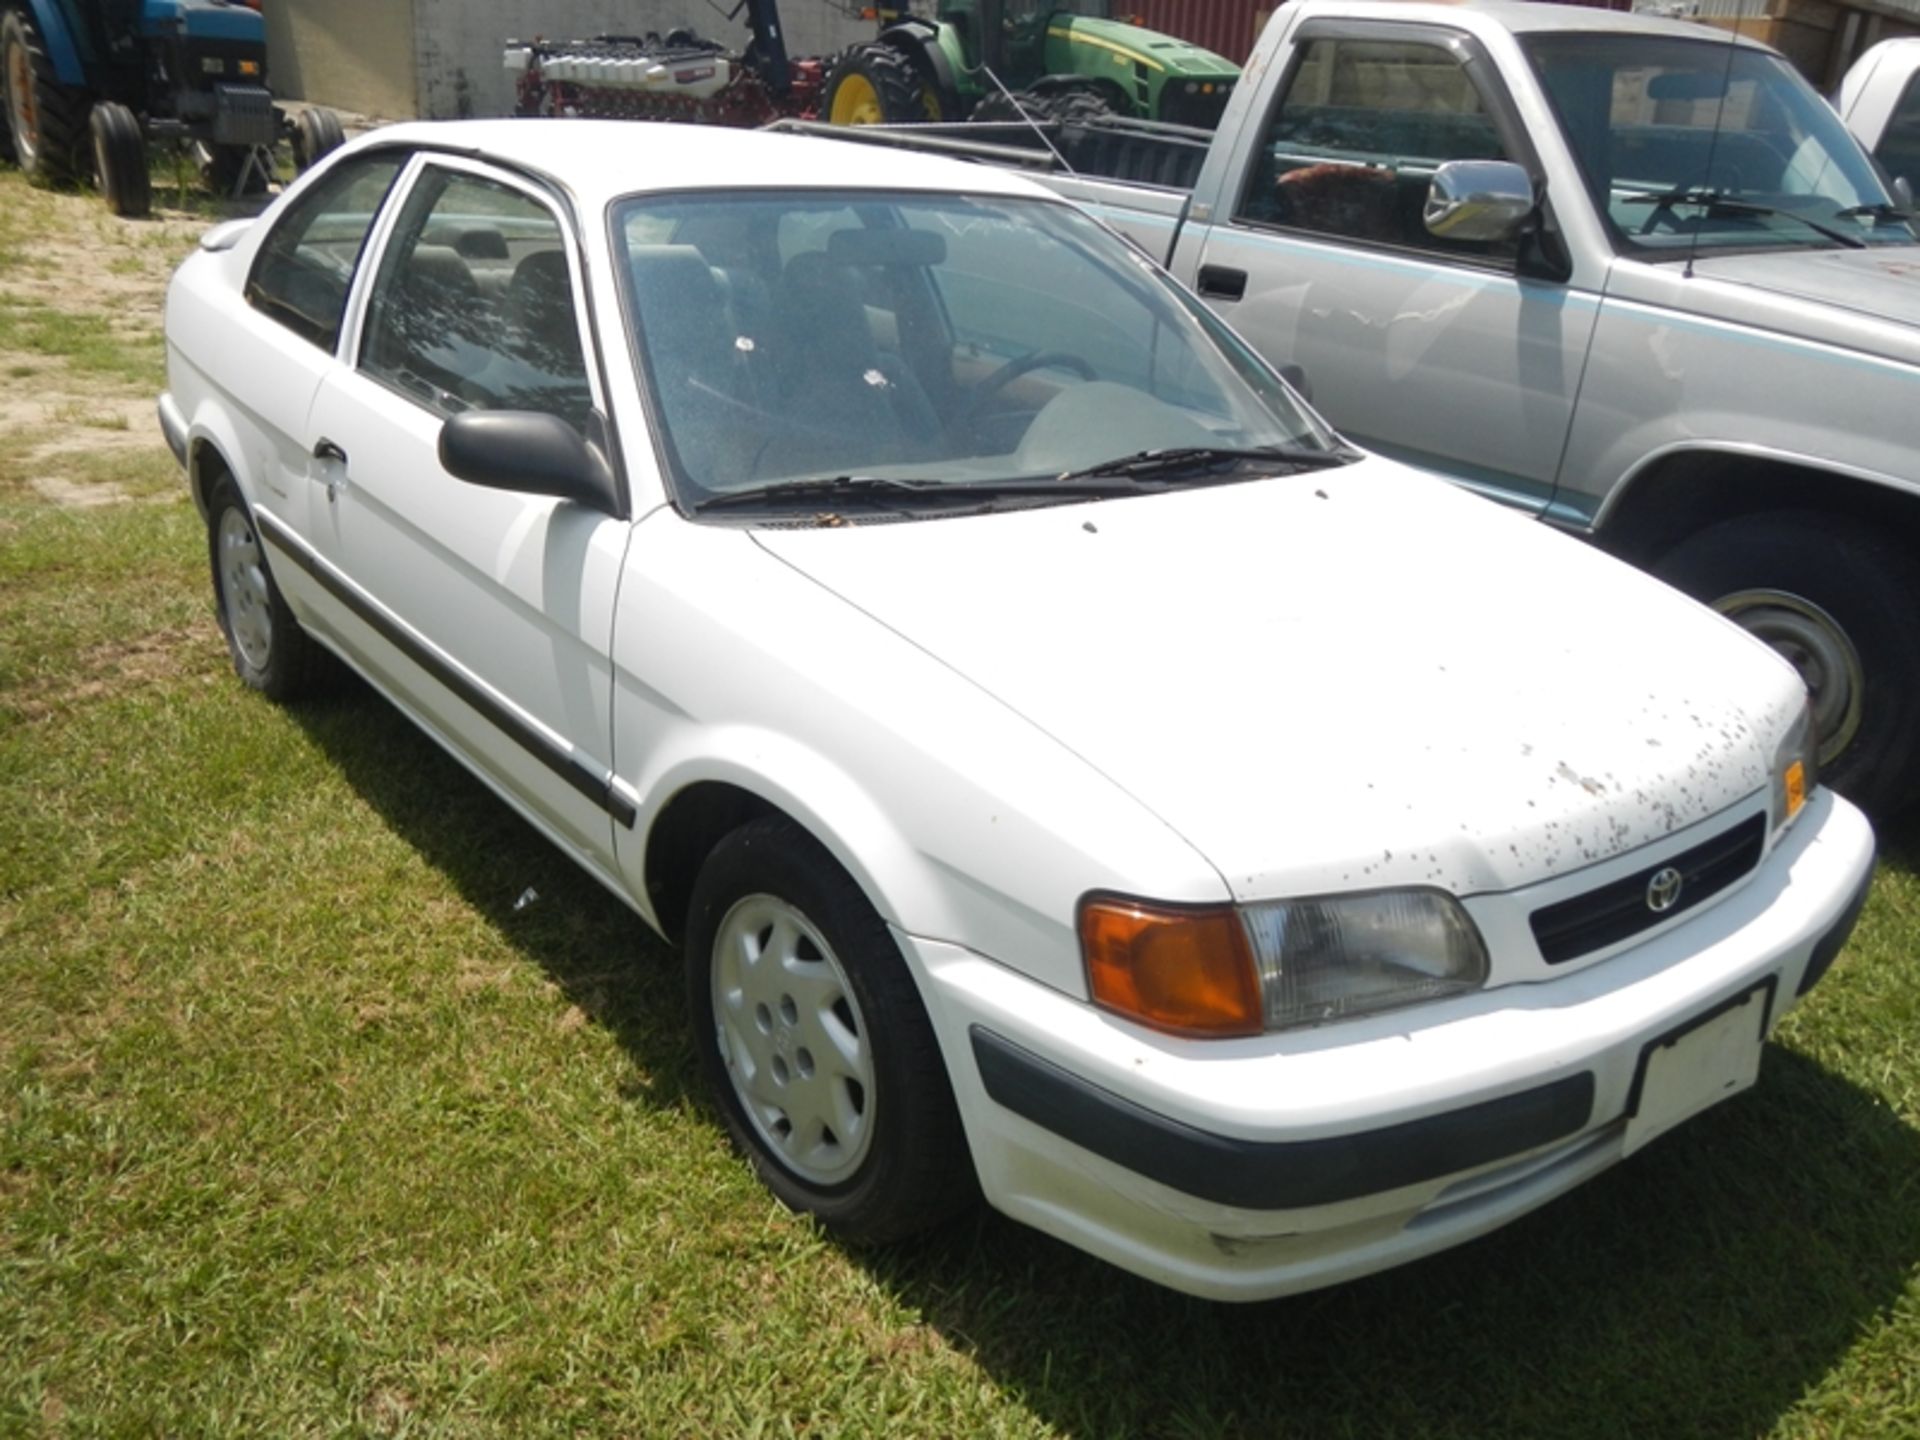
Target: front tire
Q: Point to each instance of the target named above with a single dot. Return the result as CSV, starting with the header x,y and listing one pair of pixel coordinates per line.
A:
x,y
270,652
1838,601
120,160
317,133
43,117
814,1039
874,85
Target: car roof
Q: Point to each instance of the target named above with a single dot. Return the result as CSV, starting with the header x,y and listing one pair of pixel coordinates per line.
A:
x,y
1524,17
600,160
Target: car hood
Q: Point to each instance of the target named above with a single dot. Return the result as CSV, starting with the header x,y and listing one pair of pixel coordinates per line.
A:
x,y
1882,283
1340,679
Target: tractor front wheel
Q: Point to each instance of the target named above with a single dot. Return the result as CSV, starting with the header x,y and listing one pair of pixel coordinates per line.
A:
x,y
120,160
874,85
317,132
43,117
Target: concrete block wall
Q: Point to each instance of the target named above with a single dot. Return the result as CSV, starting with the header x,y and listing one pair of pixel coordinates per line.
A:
x,y
352,54
458,43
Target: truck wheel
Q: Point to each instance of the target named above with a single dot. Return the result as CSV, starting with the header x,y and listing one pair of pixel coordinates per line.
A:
x,y
874,85
120,160
316,133
43,116
811,1030
1838,601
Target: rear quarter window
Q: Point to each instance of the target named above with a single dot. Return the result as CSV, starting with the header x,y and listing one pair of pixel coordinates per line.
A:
x,y
305,269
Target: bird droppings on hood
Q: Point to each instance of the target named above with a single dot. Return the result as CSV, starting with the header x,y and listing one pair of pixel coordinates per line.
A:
x,y
1089,527
1586,782
1321,493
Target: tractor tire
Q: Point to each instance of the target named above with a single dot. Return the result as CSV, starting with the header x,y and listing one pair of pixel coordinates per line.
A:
x,y
1018,108
317,133
120,160
44,118
1076,107
874,85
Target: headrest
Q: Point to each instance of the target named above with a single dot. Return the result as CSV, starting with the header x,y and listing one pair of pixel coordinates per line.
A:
x,y
886,247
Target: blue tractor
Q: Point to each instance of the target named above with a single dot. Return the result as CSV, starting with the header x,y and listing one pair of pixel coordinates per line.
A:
x,y
87,83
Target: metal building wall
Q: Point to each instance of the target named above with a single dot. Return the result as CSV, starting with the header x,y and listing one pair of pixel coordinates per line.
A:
x,y
1226,27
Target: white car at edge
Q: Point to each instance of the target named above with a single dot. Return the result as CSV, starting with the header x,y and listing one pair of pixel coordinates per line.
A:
x,y
1070,768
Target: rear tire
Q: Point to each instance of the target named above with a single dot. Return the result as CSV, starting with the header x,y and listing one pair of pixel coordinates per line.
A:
x,y
43,117
270,652
317,133
811,1031
120,160
874,84
1838,600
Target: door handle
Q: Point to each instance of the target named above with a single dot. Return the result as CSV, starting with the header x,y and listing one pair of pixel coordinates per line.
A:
x,y
336,479
1223,282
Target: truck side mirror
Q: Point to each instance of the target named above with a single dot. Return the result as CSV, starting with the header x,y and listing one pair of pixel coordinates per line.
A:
x,y
1482,200
1903,192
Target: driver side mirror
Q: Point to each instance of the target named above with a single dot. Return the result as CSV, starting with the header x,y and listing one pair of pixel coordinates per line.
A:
x,y
1902,192
1481,200
530,452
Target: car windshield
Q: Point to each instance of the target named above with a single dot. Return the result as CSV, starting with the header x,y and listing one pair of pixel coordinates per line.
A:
x,y
930,347
1689,146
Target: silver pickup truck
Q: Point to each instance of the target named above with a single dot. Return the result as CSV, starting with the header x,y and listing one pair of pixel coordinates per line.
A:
x,y
1880,101
1630,275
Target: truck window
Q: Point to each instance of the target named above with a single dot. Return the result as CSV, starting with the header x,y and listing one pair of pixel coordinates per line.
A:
x,y
1359,130
1899,147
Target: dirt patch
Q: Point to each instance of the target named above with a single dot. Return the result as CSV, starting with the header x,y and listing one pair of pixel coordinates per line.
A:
x,y
158,658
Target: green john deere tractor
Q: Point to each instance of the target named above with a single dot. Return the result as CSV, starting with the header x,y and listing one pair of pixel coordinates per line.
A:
x,y
1015,59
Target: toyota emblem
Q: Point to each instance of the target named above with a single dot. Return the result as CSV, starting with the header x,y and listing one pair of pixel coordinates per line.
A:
x,y
1663,890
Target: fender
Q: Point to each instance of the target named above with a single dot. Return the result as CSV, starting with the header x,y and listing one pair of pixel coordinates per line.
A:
x,y
921,39
68,44
805,785
1741,449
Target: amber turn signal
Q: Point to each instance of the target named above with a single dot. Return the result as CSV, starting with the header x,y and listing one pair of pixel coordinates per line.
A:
x,y
1187,970
1796,786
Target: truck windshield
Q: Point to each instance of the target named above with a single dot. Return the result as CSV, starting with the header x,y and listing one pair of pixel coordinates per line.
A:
x,y
919,344
1693,146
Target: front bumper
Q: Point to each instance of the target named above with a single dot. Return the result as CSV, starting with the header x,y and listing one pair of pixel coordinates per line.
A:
x,y
1247,1169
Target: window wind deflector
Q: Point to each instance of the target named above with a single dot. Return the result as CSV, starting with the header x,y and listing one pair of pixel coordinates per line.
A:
x,y
1714,202
1197,460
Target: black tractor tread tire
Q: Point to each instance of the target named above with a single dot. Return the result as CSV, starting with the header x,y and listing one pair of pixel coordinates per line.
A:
x,y
997,106
298,667
317,133
57,158
919,1174
896,82
1077,107
1869,583
120,160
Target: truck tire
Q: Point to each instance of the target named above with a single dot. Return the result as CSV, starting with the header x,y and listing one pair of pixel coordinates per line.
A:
x,y
317,133
1837,600
874,85
120,160
43,117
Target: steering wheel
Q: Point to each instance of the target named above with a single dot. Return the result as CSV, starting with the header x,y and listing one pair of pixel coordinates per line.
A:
x,y
1022,365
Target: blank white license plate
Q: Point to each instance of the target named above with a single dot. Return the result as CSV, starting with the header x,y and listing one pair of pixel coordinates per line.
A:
x,y
1699,1067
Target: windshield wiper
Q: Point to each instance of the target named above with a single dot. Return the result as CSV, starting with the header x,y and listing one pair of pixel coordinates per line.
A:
x,y
1712,200
1877,210
876,488
1200,459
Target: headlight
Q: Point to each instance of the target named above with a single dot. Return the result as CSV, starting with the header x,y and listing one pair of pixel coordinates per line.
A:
x,y
1795,768
1222,970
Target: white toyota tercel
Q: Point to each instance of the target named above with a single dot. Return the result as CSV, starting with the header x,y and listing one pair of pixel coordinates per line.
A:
x,y
1075,775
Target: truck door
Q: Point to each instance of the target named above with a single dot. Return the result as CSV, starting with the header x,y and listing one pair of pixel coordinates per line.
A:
x,y
1438,352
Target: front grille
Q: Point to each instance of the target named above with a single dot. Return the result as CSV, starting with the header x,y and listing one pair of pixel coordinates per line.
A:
x,y
243,115
1615,912
1201,110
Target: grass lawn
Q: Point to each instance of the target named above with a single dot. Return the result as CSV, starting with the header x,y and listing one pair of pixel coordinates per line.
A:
x,y
306,1127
